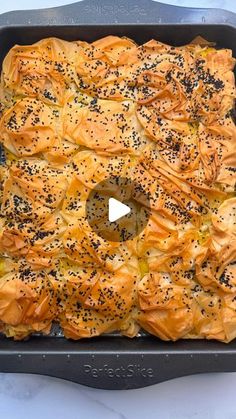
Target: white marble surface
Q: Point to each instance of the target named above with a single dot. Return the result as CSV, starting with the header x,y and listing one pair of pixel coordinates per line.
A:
x,y
206,396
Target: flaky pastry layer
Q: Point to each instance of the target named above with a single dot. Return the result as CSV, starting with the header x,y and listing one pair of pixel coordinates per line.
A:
x,y
75,113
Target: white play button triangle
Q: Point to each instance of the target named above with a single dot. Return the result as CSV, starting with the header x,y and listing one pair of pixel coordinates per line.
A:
x,y
116,210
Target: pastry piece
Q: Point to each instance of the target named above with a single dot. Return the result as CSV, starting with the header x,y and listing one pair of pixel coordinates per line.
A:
x,y
28,128
105,68
186,83
32,189
104,126
31,223
42,70
27,300
95,301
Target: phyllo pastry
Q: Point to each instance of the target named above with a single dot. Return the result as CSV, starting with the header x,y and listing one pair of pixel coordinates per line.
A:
x,y
76,113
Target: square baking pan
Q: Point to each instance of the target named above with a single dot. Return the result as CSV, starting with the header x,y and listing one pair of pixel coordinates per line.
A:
x,y
112,361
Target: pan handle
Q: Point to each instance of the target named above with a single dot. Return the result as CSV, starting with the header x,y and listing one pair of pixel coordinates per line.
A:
x,y
117,12
115,362
116,371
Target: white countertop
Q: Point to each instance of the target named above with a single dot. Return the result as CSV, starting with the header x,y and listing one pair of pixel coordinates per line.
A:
x,y
205,396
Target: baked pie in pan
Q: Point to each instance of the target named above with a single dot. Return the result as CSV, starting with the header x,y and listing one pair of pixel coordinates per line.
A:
x,y
73,114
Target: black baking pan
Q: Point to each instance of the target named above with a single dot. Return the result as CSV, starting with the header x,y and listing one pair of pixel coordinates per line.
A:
x,y
112,361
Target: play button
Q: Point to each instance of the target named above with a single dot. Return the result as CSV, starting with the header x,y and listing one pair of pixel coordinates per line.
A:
x,y
117,209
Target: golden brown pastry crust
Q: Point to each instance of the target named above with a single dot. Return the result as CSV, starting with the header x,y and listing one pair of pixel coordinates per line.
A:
x,y
74,113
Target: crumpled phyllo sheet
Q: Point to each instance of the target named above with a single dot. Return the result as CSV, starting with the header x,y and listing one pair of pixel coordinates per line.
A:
x,y
42,70
73,114
187,83
26,305
32,226
28,127
104,126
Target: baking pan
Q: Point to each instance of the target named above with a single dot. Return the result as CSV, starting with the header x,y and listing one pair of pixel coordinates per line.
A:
x,y
112,361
